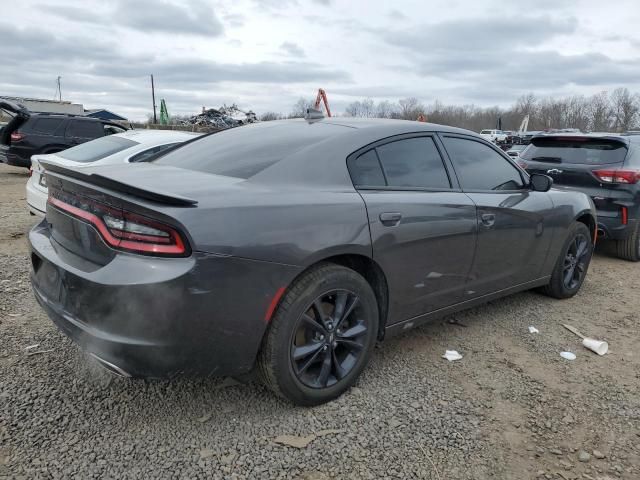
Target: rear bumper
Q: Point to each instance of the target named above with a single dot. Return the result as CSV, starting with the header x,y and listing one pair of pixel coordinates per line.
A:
x,y
612,228
153,317
36,199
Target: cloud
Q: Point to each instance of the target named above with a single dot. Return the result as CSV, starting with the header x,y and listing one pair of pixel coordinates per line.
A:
x,y
158,16
195,17
396,14
292,49
489,34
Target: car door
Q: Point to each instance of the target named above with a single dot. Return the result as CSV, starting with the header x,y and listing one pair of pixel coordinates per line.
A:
x,y
423,228
80,131
514,234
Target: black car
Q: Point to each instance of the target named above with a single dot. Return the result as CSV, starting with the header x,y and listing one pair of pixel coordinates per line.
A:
x,y
39,133
291,246
604,166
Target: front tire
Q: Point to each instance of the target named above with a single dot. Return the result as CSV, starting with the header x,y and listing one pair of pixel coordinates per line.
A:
x,y
572,264
321,336
629,248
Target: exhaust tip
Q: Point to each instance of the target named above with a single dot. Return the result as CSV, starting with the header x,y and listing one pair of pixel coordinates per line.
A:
x,y
116,370
602,233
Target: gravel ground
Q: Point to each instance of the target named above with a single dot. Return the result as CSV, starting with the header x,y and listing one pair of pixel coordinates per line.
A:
x,y
512,408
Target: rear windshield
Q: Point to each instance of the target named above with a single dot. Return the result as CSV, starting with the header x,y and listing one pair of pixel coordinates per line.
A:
x,y
485,132
97,149
243,152
588,151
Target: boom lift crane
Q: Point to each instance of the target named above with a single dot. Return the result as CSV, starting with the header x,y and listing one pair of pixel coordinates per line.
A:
x,y
322,96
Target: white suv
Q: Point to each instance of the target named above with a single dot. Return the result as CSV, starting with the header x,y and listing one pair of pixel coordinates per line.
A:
x,y
495,136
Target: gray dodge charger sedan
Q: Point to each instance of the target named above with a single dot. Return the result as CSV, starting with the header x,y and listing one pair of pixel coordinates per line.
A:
x,y
290,247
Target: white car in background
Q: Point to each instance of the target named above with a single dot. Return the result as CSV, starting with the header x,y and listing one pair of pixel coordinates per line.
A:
x,y
495,136
122,148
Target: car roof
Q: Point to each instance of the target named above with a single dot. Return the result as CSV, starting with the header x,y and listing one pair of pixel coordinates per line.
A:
x,y
401,126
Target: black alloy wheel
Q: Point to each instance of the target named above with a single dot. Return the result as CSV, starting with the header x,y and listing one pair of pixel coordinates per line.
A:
x,y
575,261
329,338
321,336
572,263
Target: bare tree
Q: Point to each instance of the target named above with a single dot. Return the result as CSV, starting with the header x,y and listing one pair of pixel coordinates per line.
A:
x,y
625,107
410,108
599,112
268,116
300,108
386,109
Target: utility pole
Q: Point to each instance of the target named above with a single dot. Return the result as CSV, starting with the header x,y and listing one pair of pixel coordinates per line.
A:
x,y
153,96
58,90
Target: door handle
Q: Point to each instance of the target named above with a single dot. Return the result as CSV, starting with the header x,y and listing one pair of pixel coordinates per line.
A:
x,y
390,219
488,219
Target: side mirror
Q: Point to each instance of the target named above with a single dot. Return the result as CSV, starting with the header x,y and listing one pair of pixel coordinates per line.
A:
x,y
540,183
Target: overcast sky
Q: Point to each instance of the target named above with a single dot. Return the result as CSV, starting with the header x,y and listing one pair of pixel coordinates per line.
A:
x,y
265,54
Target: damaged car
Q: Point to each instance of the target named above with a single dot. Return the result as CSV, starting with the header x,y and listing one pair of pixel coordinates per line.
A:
x,y
288,248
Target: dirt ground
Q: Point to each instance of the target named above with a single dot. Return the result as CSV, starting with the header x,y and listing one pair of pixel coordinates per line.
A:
x,y
512,408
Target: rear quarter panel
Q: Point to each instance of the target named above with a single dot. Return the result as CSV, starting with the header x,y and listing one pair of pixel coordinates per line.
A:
x,y
568,206
298,227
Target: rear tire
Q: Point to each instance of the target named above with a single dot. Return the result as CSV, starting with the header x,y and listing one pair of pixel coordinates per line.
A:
x,y
629,248
321,336
572,264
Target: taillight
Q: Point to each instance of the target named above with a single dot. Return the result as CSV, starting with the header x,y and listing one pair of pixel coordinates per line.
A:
x,y
124,230
616,175
625,215
30,171
16,136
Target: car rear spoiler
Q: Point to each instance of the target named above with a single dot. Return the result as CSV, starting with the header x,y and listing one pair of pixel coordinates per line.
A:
x,y
106,182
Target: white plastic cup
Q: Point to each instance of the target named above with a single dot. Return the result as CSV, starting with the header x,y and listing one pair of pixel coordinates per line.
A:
x,y
596,346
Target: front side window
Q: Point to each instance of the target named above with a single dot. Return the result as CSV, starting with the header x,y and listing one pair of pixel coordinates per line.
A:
x,y
480,167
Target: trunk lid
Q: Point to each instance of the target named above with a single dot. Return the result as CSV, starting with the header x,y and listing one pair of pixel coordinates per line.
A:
x,y
19,115
153,196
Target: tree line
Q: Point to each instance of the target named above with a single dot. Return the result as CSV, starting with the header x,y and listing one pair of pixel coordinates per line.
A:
x,y
617,111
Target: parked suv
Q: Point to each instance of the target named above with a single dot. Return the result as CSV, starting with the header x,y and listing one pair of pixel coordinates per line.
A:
x,y
604,166
31,133
495,136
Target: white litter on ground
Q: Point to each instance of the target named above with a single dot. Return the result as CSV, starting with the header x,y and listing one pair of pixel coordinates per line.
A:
x,y
533,330
568,355
452,355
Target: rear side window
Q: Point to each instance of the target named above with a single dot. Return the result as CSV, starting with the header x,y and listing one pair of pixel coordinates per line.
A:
x,y
580,150
480,167
365,170
46,125
414,162
85,129
97,149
